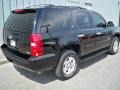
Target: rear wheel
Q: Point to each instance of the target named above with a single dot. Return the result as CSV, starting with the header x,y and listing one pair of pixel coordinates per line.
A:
x,y
114,48
68,65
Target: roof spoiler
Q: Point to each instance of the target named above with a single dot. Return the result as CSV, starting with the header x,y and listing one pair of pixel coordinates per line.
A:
x,y
23,11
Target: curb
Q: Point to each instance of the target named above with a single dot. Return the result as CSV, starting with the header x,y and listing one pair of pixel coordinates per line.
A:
x,y
3,61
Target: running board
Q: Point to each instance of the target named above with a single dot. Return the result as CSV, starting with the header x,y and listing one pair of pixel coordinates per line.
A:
x,y
89,57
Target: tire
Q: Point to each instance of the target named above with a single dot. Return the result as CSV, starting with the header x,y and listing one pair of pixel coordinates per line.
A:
x,y
114,47
68,65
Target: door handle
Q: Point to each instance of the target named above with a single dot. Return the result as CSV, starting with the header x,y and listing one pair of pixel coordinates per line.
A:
x,y
99,33
81,35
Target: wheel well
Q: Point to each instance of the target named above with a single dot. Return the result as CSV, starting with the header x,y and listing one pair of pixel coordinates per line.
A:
x,y
74,47
117,35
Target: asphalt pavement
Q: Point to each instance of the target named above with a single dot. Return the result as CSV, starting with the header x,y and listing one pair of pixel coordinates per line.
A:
x,y
101,73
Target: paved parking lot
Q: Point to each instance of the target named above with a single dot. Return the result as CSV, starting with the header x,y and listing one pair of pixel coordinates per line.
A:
x,y
102,73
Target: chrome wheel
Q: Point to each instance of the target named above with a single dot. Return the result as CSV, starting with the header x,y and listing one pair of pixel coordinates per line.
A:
x,y
116,46
69,66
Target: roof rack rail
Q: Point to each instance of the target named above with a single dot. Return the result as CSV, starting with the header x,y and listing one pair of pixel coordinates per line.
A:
x,y
54,6
40,5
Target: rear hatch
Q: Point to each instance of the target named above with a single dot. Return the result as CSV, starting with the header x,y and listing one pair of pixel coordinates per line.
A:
x,y
18,28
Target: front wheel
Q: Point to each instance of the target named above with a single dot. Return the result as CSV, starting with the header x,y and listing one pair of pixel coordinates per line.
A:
x,y
114,48
68,65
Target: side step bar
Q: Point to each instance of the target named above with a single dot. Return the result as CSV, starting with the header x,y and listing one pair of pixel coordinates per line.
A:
x,y
89,57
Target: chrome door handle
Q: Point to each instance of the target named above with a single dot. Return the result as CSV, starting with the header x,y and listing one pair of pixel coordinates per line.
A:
x,y
99,33
81,35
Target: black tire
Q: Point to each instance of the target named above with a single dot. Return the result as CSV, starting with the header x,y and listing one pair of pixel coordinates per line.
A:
x,y
111,50
59,72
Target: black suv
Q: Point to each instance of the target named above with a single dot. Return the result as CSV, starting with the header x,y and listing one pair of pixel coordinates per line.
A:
x,y
57,37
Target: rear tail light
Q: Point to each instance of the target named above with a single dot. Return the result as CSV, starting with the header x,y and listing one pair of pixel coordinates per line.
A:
x,y
36,45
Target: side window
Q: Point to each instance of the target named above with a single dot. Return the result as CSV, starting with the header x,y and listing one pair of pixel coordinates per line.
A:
x,y
83,20
57,20
98,20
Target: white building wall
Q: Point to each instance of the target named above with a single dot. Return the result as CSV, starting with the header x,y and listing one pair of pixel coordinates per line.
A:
x,y
107,8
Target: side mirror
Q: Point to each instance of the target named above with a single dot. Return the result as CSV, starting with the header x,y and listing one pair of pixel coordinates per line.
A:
x,y
110,24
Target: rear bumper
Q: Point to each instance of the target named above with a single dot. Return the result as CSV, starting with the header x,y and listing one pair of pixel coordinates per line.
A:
x,y
37,64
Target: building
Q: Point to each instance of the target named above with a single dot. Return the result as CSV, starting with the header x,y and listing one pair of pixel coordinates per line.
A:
x,y
109,9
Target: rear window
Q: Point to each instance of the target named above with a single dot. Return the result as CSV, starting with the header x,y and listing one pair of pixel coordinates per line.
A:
x,y
20,22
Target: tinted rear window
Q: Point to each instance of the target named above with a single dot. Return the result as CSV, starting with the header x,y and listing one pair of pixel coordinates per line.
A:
x,y
20,22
